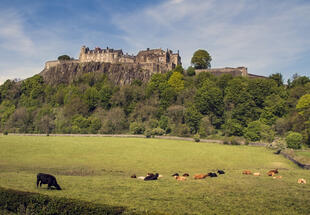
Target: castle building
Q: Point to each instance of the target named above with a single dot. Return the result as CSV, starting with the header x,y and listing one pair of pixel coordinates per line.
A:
x,y
147,58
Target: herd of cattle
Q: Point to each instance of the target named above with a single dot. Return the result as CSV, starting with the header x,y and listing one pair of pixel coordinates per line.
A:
x,y
50,180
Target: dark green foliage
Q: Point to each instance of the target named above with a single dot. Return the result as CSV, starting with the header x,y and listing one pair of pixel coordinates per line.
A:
x,y
64,57
179,104
5,133
233,128
294,140
158,131
197,138
192,119
179,69
190,71
91,98
257,131
31,203
278,78
201,59
148,133
136,128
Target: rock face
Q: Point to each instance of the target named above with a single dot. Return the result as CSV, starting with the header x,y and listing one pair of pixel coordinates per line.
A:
x,y
121,74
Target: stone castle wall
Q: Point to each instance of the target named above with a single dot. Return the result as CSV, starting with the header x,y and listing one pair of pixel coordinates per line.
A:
x,y
54,63
239,71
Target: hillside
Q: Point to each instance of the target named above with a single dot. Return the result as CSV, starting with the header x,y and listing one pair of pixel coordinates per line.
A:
x,y
119,98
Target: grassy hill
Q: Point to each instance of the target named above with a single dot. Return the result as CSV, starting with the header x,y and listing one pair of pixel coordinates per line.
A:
x,y
98,169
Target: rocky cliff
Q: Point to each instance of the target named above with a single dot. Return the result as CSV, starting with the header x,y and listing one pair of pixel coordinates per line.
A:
x,y
120,74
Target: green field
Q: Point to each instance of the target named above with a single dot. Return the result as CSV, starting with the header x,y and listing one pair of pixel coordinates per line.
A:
x,y
98,169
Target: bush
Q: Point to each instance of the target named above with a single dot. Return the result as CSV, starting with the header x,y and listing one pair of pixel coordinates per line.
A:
x,y
233,141
5,133
158,131
148,133
64,57
233,128
31,203
257,130
136,128
190,71
197,138
294,140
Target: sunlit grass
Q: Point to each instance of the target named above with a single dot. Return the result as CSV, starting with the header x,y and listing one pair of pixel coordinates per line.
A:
x,y
98,169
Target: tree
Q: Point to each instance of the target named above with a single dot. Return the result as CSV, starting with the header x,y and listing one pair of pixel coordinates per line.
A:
x,y
190,71
294,140
192,119
64,57
278,78
201,59
91,97
176,81
303,105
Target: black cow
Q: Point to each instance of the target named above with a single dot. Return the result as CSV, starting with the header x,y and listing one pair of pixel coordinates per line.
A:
x,y
151,177
185,174
50,180
175,174
220,172
212,174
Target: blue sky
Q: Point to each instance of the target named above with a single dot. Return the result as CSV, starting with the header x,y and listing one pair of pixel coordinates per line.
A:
x,y
267,36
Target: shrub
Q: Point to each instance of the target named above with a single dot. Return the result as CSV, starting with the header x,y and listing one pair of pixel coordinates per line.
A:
x,y
31,203
197,138
257,130
233,128
190,71
158,131
206,128
148,133
5,133
64,57
136,128
233,141
294,140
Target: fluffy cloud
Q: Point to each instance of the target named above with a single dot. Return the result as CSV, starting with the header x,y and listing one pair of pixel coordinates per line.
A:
x,y
264,36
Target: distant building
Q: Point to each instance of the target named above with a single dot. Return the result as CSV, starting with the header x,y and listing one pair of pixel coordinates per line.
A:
x,y
153,60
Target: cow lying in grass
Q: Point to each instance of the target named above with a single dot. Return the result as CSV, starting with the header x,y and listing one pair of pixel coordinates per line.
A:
x,y
200,176
212,174
247,172
151,176
272,172
50,180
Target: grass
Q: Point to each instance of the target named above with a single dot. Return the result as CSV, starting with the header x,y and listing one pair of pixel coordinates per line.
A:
x,y
302,156
98,169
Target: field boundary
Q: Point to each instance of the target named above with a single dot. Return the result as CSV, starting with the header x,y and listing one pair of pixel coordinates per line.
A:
x,y
291,158
120,135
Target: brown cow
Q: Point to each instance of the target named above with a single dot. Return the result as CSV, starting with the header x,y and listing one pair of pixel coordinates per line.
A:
x,y
272,172
200,176
247,172
180,178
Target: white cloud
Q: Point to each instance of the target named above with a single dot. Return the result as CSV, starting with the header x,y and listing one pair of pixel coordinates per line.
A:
x,y
263,36
12,35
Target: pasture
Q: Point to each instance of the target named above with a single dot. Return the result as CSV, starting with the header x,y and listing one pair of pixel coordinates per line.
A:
x,y
98,169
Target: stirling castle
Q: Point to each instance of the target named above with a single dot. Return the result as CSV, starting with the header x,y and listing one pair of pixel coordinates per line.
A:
x,y
154,60
123,68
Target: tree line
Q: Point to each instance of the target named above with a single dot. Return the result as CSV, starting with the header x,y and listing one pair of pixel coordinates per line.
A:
x,y
175,103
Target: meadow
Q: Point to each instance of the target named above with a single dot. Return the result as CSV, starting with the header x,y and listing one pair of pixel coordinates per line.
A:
x,y
98,170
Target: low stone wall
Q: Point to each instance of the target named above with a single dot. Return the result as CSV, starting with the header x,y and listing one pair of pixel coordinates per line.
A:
x,y
304,166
